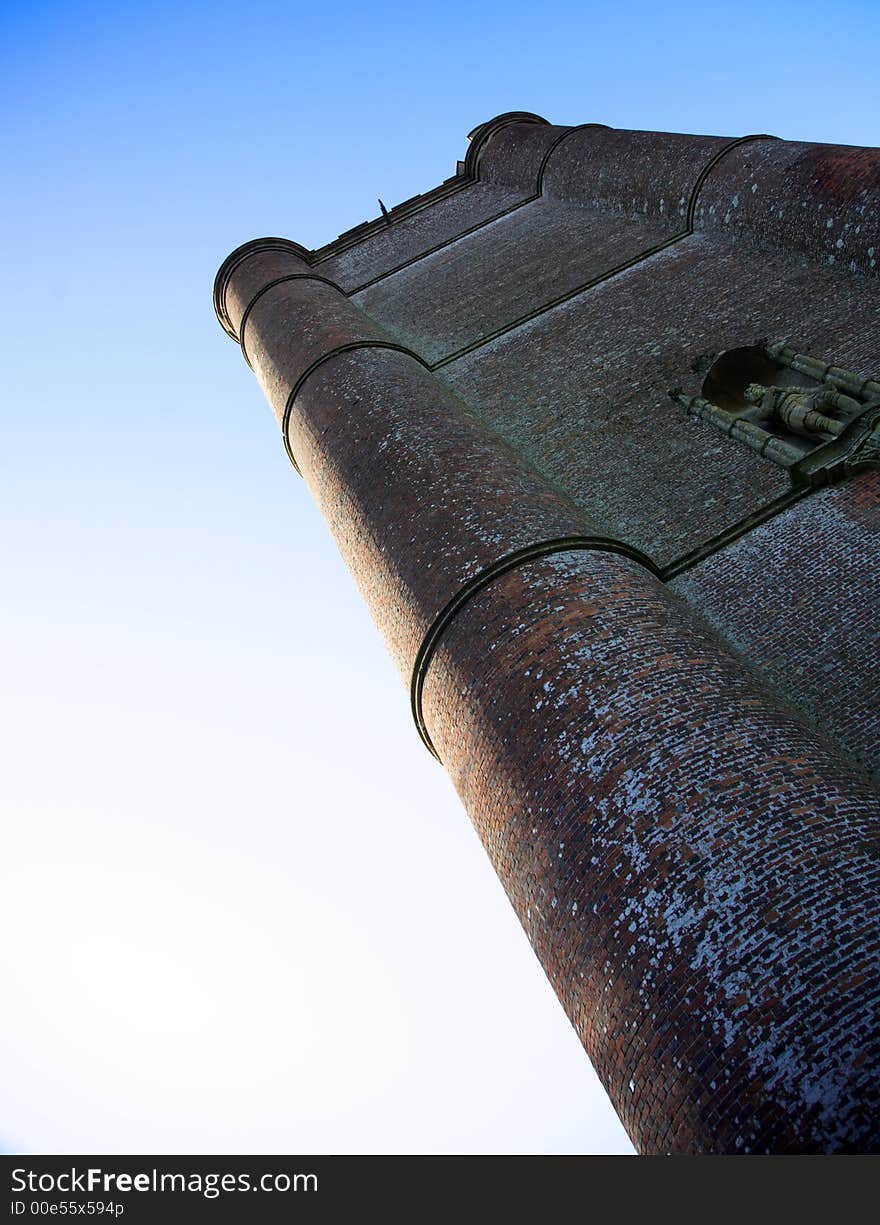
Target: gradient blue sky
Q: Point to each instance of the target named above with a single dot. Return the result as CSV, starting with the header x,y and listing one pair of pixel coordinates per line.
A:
x,y
243,908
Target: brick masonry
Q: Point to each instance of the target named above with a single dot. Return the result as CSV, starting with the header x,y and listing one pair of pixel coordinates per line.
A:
x,y
671,779
799,599
526,258
695,873
591,407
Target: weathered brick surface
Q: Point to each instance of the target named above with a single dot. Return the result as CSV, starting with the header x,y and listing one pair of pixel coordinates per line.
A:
x,y
697,873
818,200
293,325
526,259
419,495
514,155
692,849
415,234
800,599
638,174
589,404
248,270
255,274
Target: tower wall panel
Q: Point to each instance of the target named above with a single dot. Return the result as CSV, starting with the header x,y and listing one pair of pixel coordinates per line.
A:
x,y
799,598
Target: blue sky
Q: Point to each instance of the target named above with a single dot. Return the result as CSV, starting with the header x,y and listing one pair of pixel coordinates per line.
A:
x,y
244,910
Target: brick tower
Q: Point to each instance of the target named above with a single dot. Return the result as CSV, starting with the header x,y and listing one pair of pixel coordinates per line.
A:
x,y
596,428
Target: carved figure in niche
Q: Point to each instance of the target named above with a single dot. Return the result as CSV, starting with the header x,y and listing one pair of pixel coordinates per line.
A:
x,y
818,420
800,410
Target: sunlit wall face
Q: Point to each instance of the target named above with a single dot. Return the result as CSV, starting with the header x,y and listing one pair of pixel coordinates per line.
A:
x,y
243,909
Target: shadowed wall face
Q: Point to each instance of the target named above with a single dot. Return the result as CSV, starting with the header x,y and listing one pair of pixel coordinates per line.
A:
x,y
476,391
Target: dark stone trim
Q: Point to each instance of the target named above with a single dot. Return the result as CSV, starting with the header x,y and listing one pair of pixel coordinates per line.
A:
x,y
856,449
236,258
710,166
279,280
581,127
520,557
730,534
479,225
319,361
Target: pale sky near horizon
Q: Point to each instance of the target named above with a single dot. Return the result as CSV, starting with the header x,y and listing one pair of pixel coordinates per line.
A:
x,y
243,908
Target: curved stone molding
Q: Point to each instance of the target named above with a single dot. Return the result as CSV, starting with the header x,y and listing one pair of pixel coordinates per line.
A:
x,y
542,548
822,201
237,257
479,136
